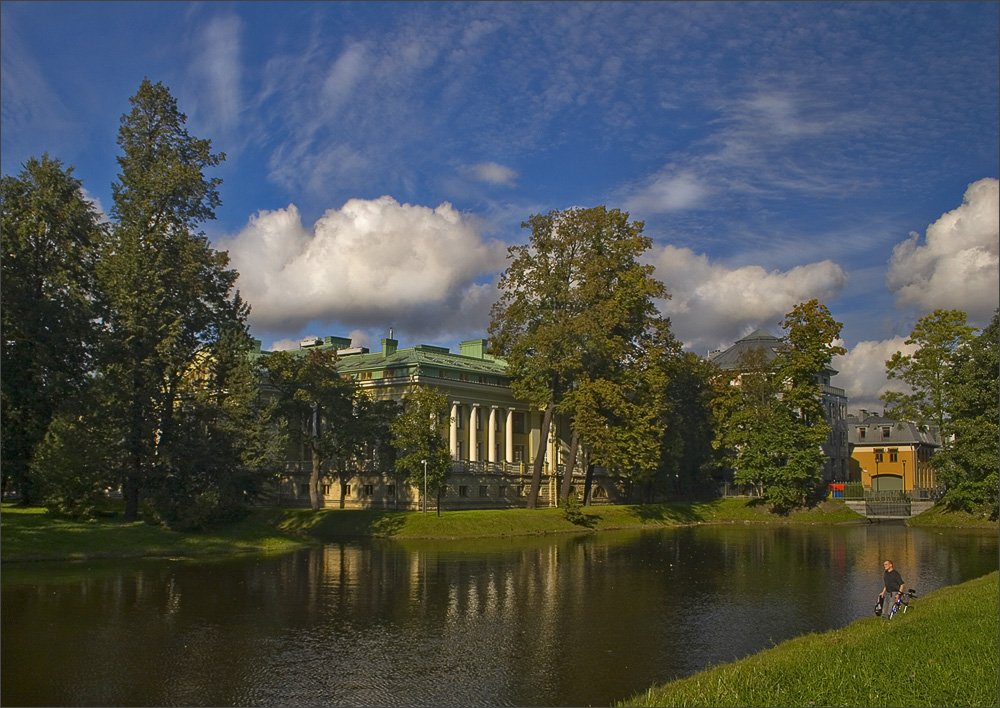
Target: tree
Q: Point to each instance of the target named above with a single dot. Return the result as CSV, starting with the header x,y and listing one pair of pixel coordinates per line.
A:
x,y
969,465
164,293
575,304
418,437
770,415
687,458
49,238
940,337
224,450
320,407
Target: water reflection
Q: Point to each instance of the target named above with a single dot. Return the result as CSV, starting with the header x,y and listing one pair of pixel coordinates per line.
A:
x,y
567,621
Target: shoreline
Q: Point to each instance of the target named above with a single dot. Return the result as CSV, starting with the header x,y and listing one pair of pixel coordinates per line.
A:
x,y
30,534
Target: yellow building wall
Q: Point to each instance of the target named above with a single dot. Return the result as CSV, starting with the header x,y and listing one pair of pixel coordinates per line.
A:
x,y
908,471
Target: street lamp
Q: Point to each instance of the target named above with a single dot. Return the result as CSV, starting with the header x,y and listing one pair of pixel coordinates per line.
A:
x,y
425,485
904,475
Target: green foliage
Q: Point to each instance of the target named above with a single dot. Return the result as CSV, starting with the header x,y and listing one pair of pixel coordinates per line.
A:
x,y
164,293
769,415
49,234
577,324
939,337
225,450
80,457
417,435
970,463
322,409
687,458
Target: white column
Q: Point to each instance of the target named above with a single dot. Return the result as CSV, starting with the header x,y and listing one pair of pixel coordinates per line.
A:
x,y
473,433
491,452
453,431
509,436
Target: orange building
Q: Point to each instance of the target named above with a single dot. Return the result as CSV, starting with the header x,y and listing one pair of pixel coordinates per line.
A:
x,y
891,455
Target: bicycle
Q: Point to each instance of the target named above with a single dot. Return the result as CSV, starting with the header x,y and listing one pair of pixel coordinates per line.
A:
x,y
902,600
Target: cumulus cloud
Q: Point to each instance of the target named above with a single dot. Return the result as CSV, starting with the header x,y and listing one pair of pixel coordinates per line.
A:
x,y
958,265
371,261
862,372
493,173
712,305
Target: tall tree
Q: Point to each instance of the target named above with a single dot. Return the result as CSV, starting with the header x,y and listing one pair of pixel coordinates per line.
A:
x,y
940,337
575,302
418,436
770,414
164,292
320,407
969,466
49,234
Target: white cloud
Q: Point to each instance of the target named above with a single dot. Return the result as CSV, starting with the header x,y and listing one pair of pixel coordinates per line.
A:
x,y
712,305
862,372
369,262
958,267
494,173
668,192
217,72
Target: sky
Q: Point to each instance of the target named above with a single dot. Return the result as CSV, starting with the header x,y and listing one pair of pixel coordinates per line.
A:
x,y
382,157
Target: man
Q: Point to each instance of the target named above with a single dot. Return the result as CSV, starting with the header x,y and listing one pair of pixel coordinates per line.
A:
x,y
892,581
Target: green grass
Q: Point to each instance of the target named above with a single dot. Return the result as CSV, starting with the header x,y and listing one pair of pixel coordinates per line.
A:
x,y
939,516
338,523
32,534
943,652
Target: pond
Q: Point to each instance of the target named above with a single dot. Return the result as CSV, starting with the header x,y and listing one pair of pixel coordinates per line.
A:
x,y
550,621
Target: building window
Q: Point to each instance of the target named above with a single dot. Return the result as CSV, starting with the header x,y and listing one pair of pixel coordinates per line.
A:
x,y
861,433
326,490
368,490
519,453
390,491
479,420
878,455
893,456
459,422
519,422
502,490
365,376
483,490
885,432
345,490
463,491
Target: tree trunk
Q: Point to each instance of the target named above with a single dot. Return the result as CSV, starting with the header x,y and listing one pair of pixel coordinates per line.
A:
x,y
314,474
567,481
314,482
588,485
543,441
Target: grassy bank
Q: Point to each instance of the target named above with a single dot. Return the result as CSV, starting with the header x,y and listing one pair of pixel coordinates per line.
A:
x,y
943,652
333,524
28,534
32,534
939,516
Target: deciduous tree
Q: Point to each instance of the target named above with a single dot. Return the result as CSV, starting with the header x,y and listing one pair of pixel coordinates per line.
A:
x,y
418,437
940,337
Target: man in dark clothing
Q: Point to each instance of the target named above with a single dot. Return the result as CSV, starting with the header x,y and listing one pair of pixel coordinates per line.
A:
x,y
892,581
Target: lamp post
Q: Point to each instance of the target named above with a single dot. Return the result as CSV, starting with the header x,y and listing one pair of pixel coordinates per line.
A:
x,y
425,485
904,475
877,480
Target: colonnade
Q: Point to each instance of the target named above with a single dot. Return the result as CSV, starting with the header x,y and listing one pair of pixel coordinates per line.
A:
x,y
485,432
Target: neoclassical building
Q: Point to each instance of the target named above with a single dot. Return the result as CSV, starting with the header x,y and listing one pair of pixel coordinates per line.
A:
x,y
833,399
891,455
493,437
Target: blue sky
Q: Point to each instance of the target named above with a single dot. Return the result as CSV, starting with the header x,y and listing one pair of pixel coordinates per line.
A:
x,y
382,156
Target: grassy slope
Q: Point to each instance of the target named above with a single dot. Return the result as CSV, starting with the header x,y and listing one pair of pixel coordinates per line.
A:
x,y
32,534
943,652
